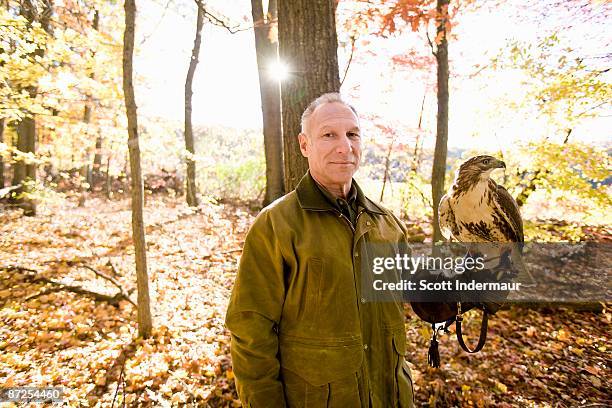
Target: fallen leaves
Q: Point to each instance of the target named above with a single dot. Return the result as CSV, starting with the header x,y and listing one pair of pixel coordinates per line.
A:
x,y
530,359
70,340
501,387
91,349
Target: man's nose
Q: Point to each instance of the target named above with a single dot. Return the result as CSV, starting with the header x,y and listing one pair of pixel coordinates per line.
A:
x,y
344,145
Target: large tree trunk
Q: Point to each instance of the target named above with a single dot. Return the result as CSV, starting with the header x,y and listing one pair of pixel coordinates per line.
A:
x,y
191,192
1,161
269,89
144,311
308,44
439,163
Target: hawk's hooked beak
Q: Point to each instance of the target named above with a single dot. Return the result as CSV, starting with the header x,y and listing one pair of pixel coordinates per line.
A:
x,y
500,165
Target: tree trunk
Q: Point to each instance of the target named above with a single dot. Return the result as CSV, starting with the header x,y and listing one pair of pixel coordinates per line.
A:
x,y
308,44
439,163
25,174
86,182
108,178
191,192
1,161
97,161
387,163
269,90
144,311
417,154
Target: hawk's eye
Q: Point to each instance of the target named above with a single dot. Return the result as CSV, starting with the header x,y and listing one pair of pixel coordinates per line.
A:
x,y
485,161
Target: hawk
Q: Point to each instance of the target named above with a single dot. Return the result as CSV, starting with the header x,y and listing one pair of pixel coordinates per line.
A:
x,y
483,216
477,210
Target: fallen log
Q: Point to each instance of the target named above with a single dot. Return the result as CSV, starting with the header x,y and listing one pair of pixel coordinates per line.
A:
x,y
58,286
114,282
34,277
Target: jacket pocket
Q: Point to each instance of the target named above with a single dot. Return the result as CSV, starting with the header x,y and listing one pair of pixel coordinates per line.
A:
x,y
341,393
301,394
404,387
321,362
312,300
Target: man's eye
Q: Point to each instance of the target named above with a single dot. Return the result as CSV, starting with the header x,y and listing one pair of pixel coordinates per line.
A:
x,y
353,134
327,135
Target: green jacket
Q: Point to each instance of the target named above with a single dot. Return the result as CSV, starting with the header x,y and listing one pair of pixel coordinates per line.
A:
x,y
302,335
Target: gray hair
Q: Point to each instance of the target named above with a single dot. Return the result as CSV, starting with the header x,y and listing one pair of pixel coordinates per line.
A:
x,y
331,97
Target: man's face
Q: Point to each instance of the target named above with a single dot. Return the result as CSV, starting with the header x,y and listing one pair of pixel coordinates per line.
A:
x,y
332,144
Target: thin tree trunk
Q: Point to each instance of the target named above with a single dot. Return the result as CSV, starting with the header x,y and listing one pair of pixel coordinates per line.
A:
x,y
86,178
28,127
308,44
191,193
386,174
108,178
269,89
440,152
1,161
25,174
144,311
419,137
97,160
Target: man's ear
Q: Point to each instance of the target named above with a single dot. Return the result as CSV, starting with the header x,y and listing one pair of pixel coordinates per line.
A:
x,y
303,140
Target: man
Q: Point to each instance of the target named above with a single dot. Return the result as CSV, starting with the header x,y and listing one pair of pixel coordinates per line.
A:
x,y
303,335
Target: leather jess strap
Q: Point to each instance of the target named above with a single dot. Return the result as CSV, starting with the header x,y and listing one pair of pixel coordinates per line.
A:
x,y
483,333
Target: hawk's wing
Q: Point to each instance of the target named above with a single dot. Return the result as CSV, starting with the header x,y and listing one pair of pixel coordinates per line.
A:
x,y
509,210
446,219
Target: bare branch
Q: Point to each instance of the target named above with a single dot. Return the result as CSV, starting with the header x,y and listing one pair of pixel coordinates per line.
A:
x,y
111,280
592,108
348,64
146,37
33,276
220,21
433,50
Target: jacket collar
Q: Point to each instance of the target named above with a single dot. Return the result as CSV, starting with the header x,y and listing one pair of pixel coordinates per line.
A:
x,y
310,198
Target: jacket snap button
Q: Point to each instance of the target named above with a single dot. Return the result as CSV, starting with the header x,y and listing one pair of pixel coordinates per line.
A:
x,y
362,300
368,223
365,346
356,254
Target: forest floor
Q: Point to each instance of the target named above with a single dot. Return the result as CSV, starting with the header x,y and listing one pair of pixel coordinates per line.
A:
x,y
52,336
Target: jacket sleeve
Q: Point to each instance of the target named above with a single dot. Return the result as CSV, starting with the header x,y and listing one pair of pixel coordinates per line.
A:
x,y
253,315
